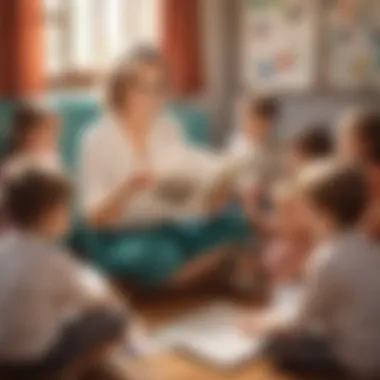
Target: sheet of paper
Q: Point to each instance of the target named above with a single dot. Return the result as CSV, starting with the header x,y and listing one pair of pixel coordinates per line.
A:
x,y
211,335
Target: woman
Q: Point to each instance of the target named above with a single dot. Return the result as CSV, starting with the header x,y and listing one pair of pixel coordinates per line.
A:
x,y
139,237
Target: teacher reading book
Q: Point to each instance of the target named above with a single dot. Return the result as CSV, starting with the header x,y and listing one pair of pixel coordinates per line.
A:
x,y
140,184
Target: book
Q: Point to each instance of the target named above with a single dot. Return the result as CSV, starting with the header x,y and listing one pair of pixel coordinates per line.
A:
x,y
198,181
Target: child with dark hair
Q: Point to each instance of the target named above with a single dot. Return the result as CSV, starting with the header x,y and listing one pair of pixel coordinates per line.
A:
x,y
315,142
34,135
359,142
253,142
336,326
54,311
33,140
252,146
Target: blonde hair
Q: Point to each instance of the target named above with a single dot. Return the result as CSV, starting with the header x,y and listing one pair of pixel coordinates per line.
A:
x,y
124,75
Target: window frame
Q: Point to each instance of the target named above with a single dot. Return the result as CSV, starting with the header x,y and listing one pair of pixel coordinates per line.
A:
x,y
83,78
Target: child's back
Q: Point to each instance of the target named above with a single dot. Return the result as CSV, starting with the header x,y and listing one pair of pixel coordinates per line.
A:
x,y
336,327
53,310
350,267
40,291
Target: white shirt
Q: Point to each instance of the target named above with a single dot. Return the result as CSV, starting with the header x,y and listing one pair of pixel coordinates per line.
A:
x,y
107,160
261,161
342,295
41,289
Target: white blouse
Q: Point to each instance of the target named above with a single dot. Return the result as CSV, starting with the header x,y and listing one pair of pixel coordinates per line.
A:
x,y
107,159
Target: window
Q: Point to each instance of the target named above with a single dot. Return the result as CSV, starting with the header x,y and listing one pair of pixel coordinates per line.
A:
x,y
84,37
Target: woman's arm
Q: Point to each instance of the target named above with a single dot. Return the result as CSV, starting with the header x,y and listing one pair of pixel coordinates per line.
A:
x,y
112,207
105,202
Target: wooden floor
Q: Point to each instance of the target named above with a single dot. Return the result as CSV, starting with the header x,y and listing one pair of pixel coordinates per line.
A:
x,y
173,366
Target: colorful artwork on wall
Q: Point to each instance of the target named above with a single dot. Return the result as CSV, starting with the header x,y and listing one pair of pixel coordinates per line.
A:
x,y
352,38
280,44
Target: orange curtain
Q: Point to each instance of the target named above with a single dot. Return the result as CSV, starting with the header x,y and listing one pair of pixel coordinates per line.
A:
x,y
182,45
22,58
3,48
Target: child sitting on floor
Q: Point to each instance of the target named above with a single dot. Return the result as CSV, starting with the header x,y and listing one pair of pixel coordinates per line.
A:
x,y
287,240
315,142
34,137
290,241
285,246
35,134
253,140
335,328
359,142
54,311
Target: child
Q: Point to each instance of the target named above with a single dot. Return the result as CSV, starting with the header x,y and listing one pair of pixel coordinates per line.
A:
x,y
359,141
254,141
34,136
315,142
33,140
284,249
54,312
336,326
289,241
258,119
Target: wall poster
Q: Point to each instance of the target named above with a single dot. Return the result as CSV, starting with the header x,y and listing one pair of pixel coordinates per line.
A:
x,y
280,44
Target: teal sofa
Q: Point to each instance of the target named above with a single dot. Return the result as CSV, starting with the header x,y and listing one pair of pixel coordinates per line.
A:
x,y
165,249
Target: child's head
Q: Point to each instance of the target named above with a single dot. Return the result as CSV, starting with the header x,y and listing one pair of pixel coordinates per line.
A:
x,y
315,142
334,196
35,129
260,116
359,142
37,200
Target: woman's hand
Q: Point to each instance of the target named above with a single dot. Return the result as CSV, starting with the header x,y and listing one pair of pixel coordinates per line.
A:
x,y
219,199
114,206
140,181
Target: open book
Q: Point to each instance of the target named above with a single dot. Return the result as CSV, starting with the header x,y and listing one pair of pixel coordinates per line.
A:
x,y
199,179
